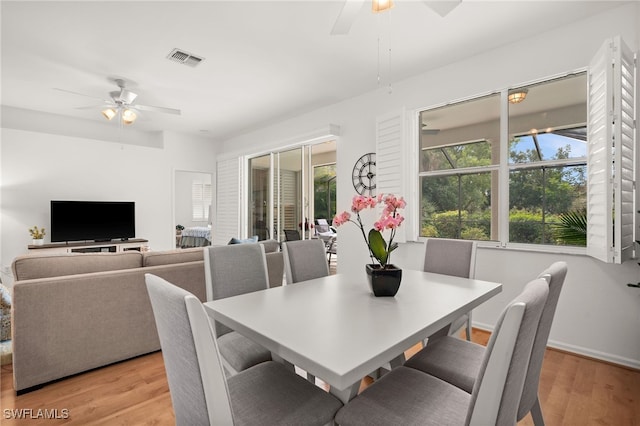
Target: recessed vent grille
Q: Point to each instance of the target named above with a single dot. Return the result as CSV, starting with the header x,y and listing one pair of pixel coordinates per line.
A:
x,y
183,57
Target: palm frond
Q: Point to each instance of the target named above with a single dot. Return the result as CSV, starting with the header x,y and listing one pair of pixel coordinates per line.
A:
x,y
572,228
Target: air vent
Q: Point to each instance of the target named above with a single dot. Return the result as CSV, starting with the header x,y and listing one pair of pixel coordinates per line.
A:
x,y
183,57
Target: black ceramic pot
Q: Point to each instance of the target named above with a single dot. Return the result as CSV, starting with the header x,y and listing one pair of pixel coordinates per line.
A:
x,y
384,282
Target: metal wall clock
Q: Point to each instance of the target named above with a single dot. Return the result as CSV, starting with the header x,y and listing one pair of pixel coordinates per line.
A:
x,y
364,174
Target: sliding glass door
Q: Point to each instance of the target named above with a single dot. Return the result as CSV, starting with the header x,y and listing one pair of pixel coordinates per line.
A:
x,y
281,191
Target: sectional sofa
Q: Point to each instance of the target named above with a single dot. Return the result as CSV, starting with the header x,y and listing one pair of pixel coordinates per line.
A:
x,y
75,312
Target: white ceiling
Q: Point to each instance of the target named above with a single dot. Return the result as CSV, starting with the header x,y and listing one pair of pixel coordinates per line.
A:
x,y
264,60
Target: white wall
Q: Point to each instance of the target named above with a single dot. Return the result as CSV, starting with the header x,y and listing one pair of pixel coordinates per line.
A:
x,y
39,167
598,314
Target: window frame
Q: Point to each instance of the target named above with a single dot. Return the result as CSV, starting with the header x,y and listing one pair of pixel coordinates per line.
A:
x,y
503,169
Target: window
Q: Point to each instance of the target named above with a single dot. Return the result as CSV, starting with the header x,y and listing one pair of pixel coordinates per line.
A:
x,y
201,195
459,160
543,166
561,169
324,191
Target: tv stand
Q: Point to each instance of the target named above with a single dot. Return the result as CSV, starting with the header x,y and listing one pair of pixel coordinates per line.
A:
x,y
109,246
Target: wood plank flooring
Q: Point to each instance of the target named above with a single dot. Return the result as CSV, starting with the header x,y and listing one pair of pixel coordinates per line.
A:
x,y
573,391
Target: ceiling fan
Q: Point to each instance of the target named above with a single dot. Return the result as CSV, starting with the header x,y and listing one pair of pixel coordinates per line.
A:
x,y
121,103
351,9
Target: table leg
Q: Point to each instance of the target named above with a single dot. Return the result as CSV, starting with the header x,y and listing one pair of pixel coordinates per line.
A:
x,y
346,395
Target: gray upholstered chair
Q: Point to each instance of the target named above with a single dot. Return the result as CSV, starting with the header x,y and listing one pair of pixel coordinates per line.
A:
x,y
267,393
458,362
304,260
229,271
452,257
409,396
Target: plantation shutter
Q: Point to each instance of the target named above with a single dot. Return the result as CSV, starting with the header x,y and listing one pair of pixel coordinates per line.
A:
x,y
228,196
610,153
200,201
390,162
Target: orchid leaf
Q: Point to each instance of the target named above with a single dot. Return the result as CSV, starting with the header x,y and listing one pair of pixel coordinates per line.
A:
x,y
378,246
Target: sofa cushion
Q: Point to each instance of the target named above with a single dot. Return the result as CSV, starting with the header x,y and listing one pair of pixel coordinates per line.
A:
x,y
33,266
172,256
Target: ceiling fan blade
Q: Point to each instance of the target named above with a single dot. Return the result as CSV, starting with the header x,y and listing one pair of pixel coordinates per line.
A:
x,y
347,16
106,104
442,7
157,109
82,94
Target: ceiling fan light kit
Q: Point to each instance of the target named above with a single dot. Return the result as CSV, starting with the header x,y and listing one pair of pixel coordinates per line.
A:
x,y
109,113
128,116
517,95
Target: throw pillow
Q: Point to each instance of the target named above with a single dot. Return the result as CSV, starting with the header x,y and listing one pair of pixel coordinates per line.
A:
x,y
253,239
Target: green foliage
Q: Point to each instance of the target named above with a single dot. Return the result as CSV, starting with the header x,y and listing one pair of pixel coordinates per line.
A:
x,y
525,226
37,233
572,228
429,231
472,233
459,205
324,191
378,246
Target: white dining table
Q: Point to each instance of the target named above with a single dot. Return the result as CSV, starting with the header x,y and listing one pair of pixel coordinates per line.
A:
x,y
337,330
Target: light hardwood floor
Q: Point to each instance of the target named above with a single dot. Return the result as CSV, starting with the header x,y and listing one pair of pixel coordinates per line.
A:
x,y
573,391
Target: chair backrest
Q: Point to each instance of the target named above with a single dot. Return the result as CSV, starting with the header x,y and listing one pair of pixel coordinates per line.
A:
x,y
195,381
333,245
555,275
450,257
232,270
497,391
304,260
291,234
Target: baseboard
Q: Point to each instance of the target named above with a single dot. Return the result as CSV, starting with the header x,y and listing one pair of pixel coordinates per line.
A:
x,y
581,351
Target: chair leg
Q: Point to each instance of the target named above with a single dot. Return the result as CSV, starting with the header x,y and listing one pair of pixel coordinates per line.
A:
x,y
536,413
469,330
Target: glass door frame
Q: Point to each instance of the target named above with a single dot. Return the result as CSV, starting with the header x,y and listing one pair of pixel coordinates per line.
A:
x,y
304,193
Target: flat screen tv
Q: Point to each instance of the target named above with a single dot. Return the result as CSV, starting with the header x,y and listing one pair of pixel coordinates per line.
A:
x,y
92,220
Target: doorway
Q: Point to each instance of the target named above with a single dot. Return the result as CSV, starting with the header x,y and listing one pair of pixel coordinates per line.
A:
x,y
283,189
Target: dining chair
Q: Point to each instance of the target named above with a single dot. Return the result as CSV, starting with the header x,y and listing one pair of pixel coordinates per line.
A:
x,y
266,393
409,396
291,234
229,271
332,249
304,260
452,257
458,362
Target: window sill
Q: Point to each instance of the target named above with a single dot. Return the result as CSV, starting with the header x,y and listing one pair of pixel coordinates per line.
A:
x,y
535,248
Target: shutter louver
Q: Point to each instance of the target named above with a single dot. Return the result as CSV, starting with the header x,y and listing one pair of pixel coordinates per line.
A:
x,y
624,129
227,220
389,161
197,204
610,153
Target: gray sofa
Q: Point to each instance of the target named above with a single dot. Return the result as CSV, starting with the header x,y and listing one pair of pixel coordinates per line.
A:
x,y
76,312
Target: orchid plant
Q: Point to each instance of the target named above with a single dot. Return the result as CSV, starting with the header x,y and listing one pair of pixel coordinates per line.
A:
x,y
390,219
